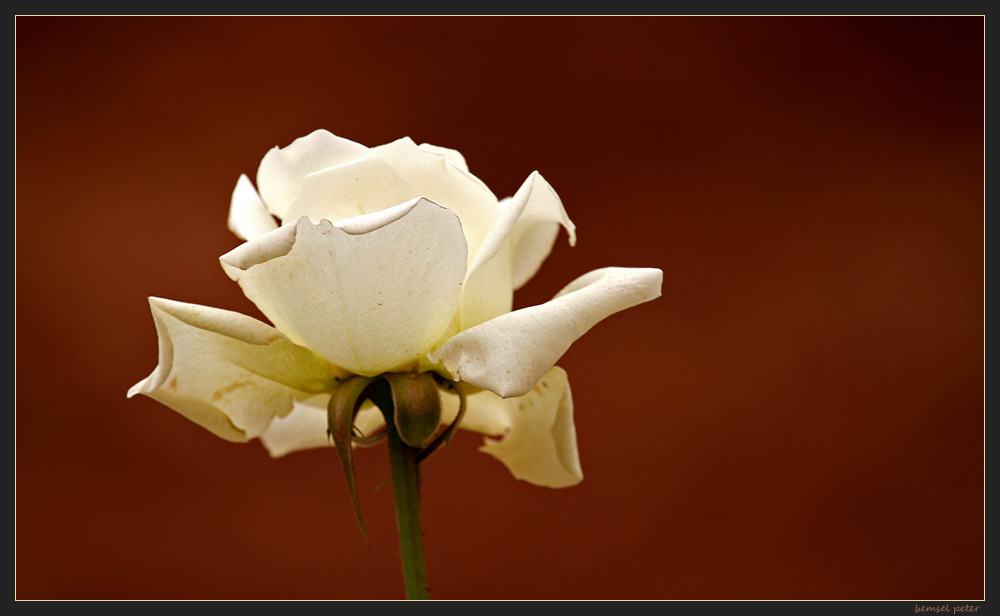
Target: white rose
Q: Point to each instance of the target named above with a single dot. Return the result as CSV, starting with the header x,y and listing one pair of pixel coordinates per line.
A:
x,y
388,260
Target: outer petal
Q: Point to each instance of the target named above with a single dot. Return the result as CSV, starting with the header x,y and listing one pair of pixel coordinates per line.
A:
x,y
248,218
533,435
392,174
282,169
306,427
508,354
536,436
228,372
372,294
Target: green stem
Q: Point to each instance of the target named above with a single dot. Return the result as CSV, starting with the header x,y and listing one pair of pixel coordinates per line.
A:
x,y
406,493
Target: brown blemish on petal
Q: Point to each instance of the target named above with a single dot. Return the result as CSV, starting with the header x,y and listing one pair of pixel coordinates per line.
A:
x,y
228,389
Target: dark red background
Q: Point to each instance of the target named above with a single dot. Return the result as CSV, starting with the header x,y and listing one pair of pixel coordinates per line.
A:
x,y
800,416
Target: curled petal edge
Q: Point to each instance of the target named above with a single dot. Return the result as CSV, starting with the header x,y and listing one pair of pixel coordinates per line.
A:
x,y
282,170
513,250
453,156
248,218
532,435
228,372
509,354
527,226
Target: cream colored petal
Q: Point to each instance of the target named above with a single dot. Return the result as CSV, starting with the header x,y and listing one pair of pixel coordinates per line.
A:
x,y
528,225
487,292
248,218
533,434
306,426
537,226
371,294
482,413
282,169
513,250
508,354
452,155
392,174
228,372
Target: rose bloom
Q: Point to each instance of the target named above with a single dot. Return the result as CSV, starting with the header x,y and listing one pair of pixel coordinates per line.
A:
x,y
394,259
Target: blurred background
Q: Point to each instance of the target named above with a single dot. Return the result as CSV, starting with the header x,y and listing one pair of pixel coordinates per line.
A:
x,y
800,416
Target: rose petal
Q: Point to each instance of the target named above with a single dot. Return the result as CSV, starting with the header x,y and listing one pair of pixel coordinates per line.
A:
x,y
282,169
372,294
508,354
527,225
303,428
392,174
248,218
306,426
228,372
513,250
533,435
537,438
537,227
487,293
454,156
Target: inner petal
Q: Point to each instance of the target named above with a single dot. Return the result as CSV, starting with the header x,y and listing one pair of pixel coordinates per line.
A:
x,y
390,175
371,294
